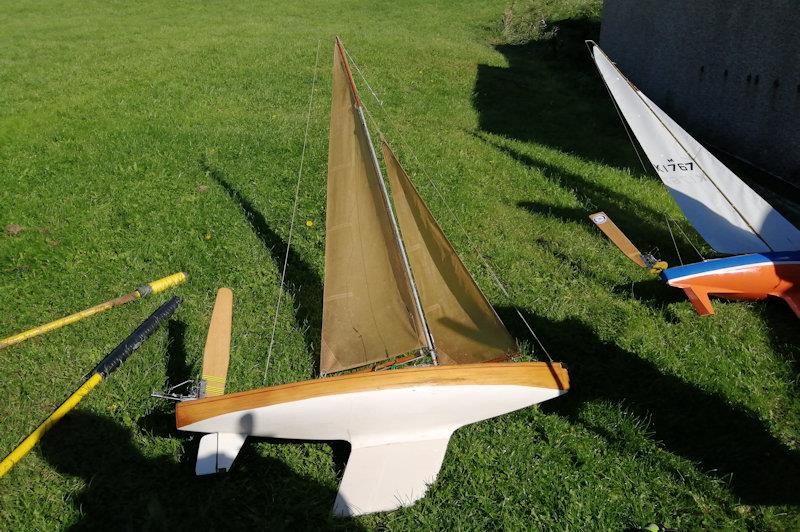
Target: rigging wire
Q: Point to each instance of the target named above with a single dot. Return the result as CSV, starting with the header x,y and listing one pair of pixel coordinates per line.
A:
x,y
639,156
363,77
495,277
666,219
689,240
621,118
625,125
294,215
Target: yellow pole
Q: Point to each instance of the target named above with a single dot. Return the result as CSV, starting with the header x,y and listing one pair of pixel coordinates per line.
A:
x,y
111,362
34,437
154,287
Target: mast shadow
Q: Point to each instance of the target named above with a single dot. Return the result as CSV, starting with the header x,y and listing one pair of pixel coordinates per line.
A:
x,y
125,490
550,93
645,226
302,280
177,369
162,419
724,439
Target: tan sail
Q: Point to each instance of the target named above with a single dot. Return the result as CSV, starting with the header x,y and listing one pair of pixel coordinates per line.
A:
x,y
368,311
464,325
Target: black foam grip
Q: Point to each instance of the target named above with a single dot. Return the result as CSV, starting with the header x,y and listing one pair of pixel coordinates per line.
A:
x,y
121,353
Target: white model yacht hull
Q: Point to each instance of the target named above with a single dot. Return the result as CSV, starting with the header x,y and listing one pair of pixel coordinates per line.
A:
x,y
397,422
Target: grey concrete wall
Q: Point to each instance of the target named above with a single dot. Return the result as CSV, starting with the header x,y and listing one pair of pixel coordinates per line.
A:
x,y
726,70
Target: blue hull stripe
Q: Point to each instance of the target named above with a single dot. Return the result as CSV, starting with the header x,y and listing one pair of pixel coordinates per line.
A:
x,y
709,266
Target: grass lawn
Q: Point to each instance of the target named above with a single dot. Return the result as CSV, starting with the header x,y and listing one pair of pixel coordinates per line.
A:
x,y
139,139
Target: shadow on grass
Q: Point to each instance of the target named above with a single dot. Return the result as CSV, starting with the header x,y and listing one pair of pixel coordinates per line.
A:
x,y
726,440
655,294
550,93
177,368
302,280
126,490
627,214
161,421
784,332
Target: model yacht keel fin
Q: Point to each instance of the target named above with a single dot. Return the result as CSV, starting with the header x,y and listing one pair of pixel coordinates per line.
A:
x,y
217,452
700,301
385,477
792,298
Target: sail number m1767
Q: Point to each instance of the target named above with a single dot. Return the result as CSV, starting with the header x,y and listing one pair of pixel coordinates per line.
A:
x,y
671,166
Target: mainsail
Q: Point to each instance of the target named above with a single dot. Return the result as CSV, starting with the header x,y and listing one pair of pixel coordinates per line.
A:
x,y
464,325
727,213
368,305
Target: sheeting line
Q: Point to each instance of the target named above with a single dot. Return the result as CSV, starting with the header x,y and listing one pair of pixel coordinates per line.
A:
x,y
495,277
619,113
666,219
294,215
689,240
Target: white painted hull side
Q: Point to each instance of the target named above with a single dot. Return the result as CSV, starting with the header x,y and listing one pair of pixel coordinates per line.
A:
x,y
398,436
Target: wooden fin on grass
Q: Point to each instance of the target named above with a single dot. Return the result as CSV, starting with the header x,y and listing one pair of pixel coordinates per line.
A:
x,y
610,229
218,345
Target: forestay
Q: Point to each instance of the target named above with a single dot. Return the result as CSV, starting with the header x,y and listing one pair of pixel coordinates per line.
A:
x,y
727,213
464,325
368,311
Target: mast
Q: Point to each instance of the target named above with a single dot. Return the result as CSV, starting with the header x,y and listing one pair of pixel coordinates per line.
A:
x,y
396,230
392,218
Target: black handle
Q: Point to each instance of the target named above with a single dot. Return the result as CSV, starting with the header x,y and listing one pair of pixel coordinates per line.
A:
x,y
130,344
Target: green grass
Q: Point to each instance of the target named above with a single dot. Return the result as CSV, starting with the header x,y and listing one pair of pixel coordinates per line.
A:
x,y
141,139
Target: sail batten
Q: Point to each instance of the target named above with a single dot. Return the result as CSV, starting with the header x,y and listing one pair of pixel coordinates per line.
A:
x,y
726,212
464,325
368,310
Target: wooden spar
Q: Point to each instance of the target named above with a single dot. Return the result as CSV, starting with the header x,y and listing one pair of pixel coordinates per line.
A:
x,y
153,287
384,192
617,237
216,353
348,74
